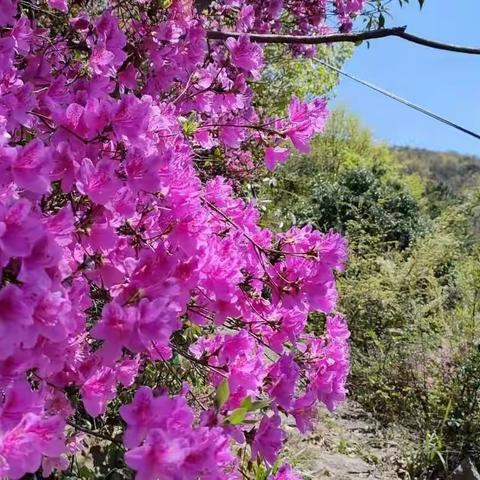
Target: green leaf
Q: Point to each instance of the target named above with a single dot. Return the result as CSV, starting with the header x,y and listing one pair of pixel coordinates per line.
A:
x,y
237,416
261,473
246,403
222,394
381,20
165,4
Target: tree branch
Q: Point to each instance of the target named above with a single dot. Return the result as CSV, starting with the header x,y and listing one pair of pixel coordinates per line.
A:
x,y
399,32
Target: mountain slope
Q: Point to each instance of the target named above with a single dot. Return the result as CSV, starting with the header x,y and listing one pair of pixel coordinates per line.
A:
x,y
451,170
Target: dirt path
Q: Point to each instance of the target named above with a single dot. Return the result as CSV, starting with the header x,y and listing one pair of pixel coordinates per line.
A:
x,y
346,445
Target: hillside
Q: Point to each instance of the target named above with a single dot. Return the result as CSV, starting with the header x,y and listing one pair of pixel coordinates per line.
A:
x,y
451,170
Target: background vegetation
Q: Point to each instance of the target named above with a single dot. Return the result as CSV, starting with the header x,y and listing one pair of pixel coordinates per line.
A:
x,y
412,286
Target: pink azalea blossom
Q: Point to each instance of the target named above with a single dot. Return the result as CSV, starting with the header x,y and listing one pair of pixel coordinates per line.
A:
x,y
98,181
8,8
269,439
305,120
245,55
286,472
284,375
22,448
18,398
130,117
114,328
60,5
32,166
97,390
274,156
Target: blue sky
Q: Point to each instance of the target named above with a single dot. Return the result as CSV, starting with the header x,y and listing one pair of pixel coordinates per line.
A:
x,y
446,83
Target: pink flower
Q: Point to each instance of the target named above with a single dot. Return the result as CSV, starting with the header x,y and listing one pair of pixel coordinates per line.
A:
x,y
32,167
292,324
304,411
16,104
142,172
129,77
160,455
4,135
7,157
18,399
284,375
285,472
305,120
52,317
114,328
48,433
45,254
103,237
15,313
97,114
130,117
22,448
22,33
157,320
245,55
98,390
244,361
127,371
165,443
269,439
139,416
59,5
61,225
330,363
346,11
18,453
204,139
337,328
108,52
7,52
99,181
246,18
232,135
19,229
8,9
65,166
274,156
101,59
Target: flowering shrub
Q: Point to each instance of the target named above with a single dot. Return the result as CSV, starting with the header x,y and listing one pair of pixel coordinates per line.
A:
x,y
125,248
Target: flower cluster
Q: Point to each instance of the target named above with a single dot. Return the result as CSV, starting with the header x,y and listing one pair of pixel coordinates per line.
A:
x,y
115,239
347,10
164,443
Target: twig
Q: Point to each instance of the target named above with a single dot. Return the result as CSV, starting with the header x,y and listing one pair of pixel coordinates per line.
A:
x,y
93,433
197,361
177,377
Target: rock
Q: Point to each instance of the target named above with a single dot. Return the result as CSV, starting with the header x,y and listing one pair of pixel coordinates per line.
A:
x,y
347,445
340,466
466,471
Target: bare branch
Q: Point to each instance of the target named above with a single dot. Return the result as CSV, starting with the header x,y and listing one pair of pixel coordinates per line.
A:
x,y
439,45
399,32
